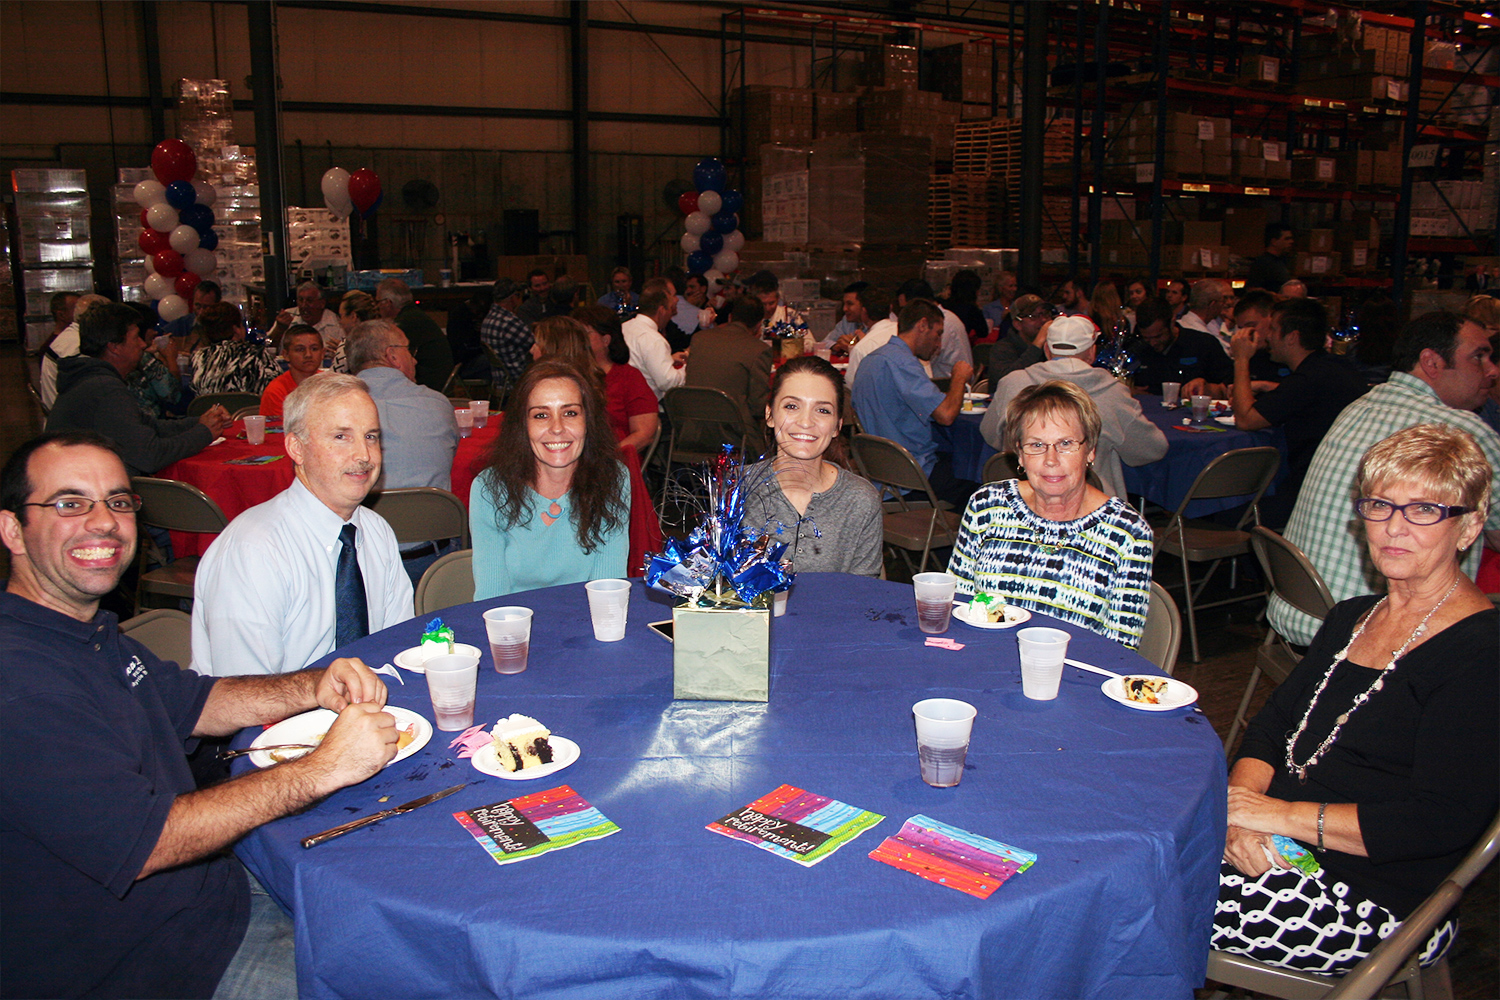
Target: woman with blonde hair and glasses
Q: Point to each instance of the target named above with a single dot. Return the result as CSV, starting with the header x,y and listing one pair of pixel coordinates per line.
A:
x,y
1051,542
1377,754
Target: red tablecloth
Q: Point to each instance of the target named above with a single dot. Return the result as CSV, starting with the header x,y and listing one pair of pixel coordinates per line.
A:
x,y
237,488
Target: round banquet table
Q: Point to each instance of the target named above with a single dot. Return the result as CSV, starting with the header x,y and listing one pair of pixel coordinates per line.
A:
x,y
1166,481
1125,808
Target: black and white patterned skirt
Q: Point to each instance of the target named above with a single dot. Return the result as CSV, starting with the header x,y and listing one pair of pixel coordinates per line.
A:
x,y
1309,923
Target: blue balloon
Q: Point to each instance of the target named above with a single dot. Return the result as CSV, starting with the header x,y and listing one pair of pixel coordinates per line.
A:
x,y
726,223
180,195
709,175
200,217
711,242
733,201
208,240
698,262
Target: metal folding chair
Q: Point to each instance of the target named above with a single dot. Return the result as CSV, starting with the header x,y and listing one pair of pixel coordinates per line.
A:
x,y
448,581
1162,636
1242,472
173,506
167,632
234,402
422,514
1392,963
909,526
1291,576
700,422
1001,466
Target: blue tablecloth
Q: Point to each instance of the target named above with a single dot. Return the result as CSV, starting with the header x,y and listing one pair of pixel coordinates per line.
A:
x,y
968,447
1166,481
1125,809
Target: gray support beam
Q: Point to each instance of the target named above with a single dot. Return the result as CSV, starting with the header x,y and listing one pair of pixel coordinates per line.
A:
x,y
151,51
1402,229
1033,135
265,88
578,51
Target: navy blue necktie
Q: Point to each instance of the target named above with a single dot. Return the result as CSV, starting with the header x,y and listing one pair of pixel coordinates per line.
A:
x,y
352,616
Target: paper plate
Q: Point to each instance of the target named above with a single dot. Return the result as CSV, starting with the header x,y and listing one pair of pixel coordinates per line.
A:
x,y
311,727
564,753
1013,616
975,409
412,659
1177,694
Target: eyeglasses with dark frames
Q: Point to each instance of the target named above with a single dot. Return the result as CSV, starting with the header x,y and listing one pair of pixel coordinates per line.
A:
x,y
1066,446
73,506
1416,512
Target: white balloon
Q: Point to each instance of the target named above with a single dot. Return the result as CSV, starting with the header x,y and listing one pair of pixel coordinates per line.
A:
x,y
172,307
698,223
340,207
205,192
201,262
734,240
161,217
335,186
690,242
709,202
150,263
148,193
157,286
727,261
183,239
715,279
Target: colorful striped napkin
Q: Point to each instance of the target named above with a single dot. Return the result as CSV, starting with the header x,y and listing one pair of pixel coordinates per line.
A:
x,y
949,856
796,824
531,825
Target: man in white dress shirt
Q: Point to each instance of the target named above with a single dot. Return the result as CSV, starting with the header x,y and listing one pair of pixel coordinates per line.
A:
x,y
274,591
1205,309
874,316
649,350
312,310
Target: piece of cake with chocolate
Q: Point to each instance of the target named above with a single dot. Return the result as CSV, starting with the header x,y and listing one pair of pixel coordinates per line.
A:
x,y
1147,690
987,608
521,742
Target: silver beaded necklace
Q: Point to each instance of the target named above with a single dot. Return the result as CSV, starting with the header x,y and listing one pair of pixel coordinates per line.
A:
x,y
1300,770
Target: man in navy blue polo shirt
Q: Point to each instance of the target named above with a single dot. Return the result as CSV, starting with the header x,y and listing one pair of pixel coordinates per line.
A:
x,y
115,880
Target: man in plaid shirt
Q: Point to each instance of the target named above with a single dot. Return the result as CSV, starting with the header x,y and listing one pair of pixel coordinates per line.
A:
x,y
505,333
1441,371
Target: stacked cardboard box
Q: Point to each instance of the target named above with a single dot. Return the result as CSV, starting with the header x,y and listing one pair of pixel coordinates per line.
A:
x,y
783,194
317,237
1377,168
779,115
1316,170
894,66
1260,161
964,72
1259,69
1382,50
1195,146
837,114
869,189
914,113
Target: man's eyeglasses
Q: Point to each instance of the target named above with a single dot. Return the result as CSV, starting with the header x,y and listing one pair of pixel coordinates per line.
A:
x,y
70,506
1066,446
1416,512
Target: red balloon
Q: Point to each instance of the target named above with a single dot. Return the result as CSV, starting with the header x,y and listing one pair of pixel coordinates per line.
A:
x,y
173,160
145,222
687,202
364,188
153,241
185,283
168,263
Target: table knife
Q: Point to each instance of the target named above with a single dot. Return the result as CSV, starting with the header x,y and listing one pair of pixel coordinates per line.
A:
x,y
339,831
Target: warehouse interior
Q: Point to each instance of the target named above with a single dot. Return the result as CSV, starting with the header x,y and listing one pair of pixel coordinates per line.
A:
x,y
871,140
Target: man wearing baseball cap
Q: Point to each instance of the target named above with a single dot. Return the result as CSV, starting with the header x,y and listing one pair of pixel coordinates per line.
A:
x,y
1125,435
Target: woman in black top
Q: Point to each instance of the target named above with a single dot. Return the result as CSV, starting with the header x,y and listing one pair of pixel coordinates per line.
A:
x,y
1378,754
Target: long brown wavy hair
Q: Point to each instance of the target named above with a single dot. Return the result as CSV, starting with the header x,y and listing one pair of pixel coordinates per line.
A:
x,y
598,490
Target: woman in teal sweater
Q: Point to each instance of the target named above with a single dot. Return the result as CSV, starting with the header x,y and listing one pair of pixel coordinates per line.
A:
x,y
553,506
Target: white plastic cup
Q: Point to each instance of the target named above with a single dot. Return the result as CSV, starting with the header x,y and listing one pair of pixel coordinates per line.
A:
x,y
451,681
778,603
1171,392
934,593
465,418
1042,653
480,408
255,428
1200,408
609,605
944,726
509,631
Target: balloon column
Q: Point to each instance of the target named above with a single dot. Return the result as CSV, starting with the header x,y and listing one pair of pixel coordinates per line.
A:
x,y
345,193
713,238
178,237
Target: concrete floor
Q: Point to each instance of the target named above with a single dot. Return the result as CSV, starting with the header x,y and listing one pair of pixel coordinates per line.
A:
x,y
1227,635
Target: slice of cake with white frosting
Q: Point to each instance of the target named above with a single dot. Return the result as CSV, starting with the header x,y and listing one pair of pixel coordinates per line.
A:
x,y
521,742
